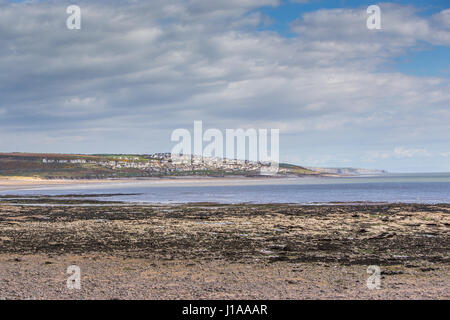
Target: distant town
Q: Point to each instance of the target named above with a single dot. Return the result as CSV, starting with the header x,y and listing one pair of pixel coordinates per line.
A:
x,y
100,166
106,166
163,163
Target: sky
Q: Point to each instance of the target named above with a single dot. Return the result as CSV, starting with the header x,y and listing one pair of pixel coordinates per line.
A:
x,y
340,94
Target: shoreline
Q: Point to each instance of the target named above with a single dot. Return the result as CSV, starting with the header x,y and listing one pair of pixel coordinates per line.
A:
x,y
18,183
24,187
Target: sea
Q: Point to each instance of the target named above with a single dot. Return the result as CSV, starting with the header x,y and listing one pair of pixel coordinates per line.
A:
x,y
426,188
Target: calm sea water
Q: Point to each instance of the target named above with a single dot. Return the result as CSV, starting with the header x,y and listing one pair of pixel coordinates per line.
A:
x,y
407,188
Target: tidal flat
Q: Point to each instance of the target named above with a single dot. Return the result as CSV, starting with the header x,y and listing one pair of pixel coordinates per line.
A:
x,y
219,251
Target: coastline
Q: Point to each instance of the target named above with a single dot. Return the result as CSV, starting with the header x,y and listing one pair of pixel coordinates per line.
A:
x,y
356,190
17,183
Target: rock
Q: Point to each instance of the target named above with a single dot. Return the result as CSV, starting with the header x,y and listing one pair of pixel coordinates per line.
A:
x,y
278,258
291,281
427,269
391,272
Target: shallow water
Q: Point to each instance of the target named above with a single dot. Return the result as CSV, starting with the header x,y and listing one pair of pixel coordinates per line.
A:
x,y
406,188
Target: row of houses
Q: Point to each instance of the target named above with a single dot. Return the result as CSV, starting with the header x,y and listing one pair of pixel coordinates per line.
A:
x,y
163,162
66,161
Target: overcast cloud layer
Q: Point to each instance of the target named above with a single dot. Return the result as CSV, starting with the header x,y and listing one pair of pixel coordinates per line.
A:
x,y
138,70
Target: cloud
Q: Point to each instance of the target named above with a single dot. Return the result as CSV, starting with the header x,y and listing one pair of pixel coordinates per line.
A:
x,y
400,153
409,153
345,33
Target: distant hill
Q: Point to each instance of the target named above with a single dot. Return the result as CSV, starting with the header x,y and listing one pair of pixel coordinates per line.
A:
x,y
294,169
347,171
101,166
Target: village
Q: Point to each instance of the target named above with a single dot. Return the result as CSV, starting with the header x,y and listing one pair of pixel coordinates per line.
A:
x,y
165,163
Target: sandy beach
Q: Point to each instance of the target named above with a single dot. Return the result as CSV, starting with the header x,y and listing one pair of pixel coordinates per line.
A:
x,y
17,183
20,183
212,251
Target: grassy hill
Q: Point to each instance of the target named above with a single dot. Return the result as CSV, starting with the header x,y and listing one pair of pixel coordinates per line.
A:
x,y
294,169
79,166
31,165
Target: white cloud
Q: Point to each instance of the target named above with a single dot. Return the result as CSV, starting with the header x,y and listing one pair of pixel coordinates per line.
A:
x,y
403,152
400,153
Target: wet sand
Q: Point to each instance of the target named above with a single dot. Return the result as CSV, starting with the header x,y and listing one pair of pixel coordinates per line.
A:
x,y
21,183
18,183
197,251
